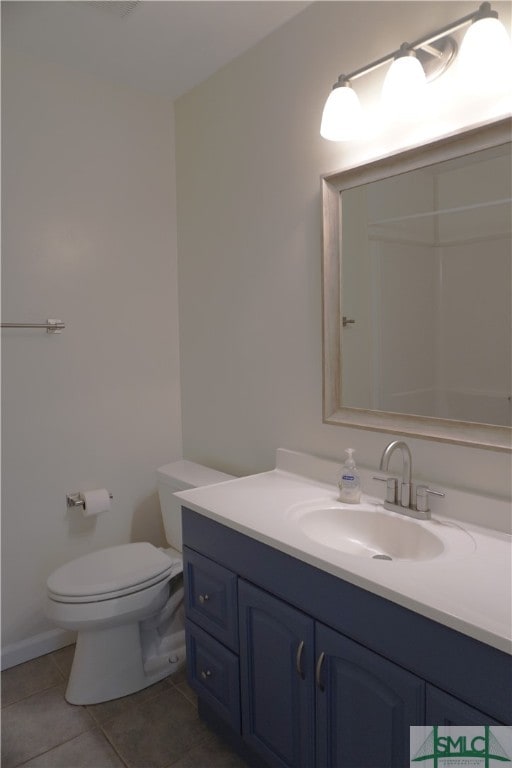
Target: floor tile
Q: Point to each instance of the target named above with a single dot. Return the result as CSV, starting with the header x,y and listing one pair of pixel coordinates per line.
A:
x,y
179,680
157,727
158,732
38,723
29,678
188,692
90,750
109,709
212,753
63,659
180,676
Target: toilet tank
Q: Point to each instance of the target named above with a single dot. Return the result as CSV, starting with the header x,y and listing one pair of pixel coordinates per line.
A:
x,y
180,476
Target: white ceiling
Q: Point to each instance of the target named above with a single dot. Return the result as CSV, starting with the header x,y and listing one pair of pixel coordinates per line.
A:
x,y
164,46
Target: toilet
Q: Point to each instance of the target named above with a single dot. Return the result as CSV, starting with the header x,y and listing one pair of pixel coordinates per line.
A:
x,y
126,603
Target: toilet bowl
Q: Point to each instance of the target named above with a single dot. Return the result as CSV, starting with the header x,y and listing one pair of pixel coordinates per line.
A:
x,y
126,603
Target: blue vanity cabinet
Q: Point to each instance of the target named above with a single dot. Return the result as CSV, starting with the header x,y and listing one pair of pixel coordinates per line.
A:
x,y
277,679
329,675
364,705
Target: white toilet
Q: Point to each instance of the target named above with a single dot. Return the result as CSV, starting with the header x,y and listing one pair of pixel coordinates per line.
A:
x,y
126,603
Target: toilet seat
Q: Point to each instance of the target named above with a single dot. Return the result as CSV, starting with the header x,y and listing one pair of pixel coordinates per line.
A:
x,y
111,573
94,598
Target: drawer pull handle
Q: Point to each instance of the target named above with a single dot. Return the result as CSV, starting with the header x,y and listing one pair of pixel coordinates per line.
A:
x,y
298,659
205,674
319,671
204,598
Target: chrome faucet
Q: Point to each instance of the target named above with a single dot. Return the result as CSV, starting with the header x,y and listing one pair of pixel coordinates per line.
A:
x,y
400,495
405,487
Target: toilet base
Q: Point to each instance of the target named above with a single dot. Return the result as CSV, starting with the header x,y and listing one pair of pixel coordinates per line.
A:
x,y
108,664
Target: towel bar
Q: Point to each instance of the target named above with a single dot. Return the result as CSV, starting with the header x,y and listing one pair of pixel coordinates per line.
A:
x,y
52,326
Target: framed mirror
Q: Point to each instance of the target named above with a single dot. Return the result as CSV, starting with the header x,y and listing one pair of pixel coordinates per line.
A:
x,y
417,291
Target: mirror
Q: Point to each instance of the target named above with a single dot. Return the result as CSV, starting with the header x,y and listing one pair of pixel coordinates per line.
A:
x,y
417,291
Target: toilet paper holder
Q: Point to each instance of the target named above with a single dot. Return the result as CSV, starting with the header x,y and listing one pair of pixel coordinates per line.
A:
x,y
77,500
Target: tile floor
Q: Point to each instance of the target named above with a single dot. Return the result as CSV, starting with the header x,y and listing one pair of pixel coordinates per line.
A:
x,y
155,728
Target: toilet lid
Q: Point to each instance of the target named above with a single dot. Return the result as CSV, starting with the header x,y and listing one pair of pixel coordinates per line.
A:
x,y
111,570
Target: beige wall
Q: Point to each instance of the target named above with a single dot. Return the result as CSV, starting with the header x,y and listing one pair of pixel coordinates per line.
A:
x,y
88,237
249,159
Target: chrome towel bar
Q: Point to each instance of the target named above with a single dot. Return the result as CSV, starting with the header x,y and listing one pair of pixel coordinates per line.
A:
x,y
52,326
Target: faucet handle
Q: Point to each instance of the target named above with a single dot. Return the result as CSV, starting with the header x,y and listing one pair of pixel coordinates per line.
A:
x,y
391,487
422,494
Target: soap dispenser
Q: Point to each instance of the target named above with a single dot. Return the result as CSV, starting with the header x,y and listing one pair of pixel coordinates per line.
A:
x,y
350,483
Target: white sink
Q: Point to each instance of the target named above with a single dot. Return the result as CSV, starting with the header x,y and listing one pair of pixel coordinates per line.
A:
x,y
370,531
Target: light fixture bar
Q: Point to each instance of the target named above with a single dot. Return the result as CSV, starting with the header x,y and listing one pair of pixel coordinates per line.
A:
x,y
484,9
421,42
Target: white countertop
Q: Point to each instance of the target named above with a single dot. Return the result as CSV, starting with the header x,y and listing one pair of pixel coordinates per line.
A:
x,y
469,592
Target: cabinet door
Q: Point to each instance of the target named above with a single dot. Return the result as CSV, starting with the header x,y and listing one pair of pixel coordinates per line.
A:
x,y
365,705
443,709
276,675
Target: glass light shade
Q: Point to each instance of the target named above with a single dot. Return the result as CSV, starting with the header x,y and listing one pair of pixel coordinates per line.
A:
x,y
403,92
342,115
485,56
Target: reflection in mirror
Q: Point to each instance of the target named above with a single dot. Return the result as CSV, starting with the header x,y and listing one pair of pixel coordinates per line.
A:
x,y
417,288
426,276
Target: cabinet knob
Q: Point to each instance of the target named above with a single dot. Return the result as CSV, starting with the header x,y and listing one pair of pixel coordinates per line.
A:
x,y
204,598
206,673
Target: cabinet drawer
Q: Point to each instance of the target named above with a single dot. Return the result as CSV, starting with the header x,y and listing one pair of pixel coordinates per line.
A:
x,y
214,674
211,597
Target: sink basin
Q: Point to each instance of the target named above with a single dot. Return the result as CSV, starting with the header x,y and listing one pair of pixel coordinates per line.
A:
x,y
372,532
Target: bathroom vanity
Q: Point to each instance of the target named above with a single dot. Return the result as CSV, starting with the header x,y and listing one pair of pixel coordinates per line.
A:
x,y
303,655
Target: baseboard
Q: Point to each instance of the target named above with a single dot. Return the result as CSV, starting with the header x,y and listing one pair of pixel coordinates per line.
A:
x,y
37,645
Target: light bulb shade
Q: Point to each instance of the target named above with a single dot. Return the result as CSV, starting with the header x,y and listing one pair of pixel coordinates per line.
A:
x,y
403,91
342,115
485,56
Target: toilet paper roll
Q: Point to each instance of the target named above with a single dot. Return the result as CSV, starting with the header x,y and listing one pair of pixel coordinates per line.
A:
x,y
96,501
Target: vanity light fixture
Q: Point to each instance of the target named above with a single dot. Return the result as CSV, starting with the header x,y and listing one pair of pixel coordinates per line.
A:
x,y
486,46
